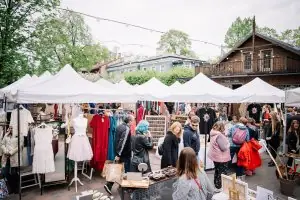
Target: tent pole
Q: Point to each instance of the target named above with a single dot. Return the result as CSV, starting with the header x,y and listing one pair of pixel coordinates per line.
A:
x,y
284,129
19,152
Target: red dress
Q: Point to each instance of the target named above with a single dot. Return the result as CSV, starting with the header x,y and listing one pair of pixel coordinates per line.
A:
x,y
100,125
140,114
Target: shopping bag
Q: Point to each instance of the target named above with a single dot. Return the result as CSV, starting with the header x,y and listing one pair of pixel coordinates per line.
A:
x,y
114,172
103,174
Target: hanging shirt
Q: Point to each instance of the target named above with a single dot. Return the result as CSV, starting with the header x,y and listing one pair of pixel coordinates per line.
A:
x,y
254,111
25,119
100,125
207,119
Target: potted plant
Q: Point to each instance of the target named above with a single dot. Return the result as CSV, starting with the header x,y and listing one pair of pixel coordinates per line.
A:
x,y
288,177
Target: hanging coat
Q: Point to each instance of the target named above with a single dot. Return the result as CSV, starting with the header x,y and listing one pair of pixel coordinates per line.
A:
x,y
248,156
111,141
254,154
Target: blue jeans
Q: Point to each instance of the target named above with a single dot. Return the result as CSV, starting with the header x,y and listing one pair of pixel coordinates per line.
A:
x,y
239,170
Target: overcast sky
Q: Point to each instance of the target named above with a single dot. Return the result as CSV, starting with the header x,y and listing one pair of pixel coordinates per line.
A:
x,y
206,20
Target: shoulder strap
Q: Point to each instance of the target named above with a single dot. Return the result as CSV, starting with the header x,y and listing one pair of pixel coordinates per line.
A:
x,y
198,184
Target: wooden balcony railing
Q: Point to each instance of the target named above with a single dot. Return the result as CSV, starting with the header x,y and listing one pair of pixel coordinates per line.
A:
x,y
258,66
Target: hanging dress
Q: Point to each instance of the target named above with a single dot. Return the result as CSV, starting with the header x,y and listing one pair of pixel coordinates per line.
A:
x,y
43,158
79,147
111,141
100,126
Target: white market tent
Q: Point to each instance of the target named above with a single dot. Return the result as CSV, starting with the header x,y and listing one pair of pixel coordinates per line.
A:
x,y
200,89
124,85
67,86
292,97
259,91
15,85
105,83
152,90
175,85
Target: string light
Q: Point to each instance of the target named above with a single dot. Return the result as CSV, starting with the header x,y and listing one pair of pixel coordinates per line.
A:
x,y
136,26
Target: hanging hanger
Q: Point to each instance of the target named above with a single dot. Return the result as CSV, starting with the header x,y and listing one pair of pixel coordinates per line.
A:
x,y
43,125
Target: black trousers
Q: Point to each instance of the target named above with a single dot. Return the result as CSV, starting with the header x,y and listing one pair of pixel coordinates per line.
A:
x,y
220,168
12,177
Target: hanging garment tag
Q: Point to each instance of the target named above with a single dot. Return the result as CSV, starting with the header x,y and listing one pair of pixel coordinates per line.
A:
x,y
102,120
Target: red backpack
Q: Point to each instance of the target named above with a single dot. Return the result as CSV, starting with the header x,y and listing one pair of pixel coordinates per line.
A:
x,y
239,136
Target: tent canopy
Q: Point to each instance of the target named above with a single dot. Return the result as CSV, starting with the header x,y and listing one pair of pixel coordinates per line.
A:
x,y
17,84
152,90
67,86
200,89
105,83
175,85
293,97
124,85
259,91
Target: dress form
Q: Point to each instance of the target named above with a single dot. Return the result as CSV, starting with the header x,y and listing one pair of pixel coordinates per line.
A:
x,y
77,122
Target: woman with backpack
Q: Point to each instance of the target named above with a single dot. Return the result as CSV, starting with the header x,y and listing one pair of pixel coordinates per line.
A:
x,y
170,146
219,152
237,135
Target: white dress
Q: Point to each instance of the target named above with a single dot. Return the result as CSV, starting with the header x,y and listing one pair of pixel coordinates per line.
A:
x,y
43,158
80,148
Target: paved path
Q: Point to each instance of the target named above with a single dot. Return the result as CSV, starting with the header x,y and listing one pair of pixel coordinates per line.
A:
x,y
265,177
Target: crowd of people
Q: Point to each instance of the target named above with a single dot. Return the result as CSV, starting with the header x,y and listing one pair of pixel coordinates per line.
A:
x,y
233,138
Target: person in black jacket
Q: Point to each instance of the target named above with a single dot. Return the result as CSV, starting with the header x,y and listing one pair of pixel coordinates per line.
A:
x,y
170,146
273,138
293,140
122,147
191,136
141,143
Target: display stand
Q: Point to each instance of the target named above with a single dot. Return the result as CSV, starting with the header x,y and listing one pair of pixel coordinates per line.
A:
x,y
84,166
157,127
75,179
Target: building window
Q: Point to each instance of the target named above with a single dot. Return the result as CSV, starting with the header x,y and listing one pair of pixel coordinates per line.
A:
x,y
144,68
153,68
266,60
162,68
247,61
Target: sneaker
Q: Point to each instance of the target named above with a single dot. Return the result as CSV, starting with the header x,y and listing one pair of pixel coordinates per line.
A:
x,y
218,190
248,173
107,189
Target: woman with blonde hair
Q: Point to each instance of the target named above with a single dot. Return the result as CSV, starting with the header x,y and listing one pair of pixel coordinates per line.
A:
x,y
192,183
219,152
273,136
170,146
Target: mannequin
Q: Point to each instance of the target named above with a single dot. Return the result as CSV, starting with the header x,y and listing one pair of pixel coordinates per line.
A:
x,y
79,147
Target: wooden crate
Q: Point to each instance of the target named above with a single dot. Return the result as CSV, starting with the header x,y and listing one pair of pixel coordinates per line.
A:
x,y
157,126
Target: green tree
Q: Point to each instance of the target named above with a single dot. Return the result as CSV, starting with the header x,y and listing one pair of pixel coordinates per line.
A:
x,y
168,78
291,36
65,39
238,30
176,42
17,22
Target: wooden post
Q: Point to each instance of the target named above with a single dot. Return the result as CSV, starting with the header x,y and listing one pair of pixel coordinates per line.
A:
x,y
253,42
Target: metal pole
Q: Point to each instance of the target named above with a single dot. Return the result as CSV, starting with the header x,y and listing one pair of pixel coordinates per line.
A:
x,y
284,129
5,110
19,152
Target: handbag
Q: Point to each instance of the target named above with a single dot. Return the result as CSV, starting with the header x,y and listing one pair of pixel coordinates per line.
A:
x,y
161,149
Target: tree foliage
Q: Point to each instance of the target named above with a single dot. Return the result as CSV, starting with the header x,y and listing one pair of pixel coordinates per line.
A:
x,y
240,28
176,42
65,39
168,78
17,22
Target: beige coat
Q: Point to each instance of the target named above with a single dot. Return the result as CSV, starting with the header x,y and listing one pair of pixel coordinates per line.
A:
x,y
9,145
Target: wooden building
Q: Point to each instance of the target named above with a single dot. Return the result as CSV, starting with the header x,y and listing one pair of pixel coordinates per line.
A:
x,y
274,61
